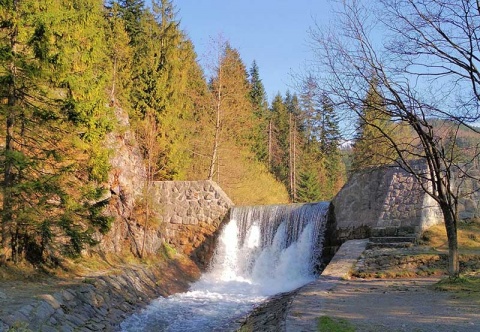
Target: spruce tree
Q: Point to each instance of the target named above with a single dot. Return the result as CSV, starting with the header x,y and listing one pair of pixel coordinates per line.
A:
x,y
308,187
371,148
320,151
258,98
280,140
121,54
257,93
174,111
329,132
329,148
311,113
48,113
132,14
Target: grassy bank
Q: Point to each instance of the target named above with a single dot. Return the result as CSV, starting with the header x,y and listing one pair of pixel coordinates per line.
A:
x,y
428,258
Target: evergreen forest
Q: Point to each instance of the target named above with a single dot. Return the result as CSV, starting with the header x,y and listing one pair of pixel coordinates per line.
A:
x,y
67,66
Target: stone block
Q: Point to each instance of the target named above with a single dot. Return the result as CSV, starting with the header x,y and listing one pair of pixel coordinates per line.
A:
x,y
47,328
53,302
176,219
67,295
41,314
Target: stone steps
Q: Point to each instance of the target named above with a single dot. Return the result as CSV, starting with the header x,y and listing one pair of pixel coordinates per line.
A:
x,y
393,237
394,231
372,245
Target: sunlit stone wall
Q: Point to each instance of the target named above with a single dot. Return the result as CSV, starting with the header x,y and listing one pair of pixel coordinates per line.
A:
x,y
192,212
389,197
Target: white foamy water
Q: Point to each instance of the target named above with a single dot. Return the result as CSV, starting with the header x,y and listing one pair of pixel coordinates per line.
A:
x,y
262,251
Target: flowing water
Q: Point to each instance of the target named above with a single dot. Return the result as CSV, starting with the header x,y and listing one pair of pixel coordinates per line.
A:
x,y
261,251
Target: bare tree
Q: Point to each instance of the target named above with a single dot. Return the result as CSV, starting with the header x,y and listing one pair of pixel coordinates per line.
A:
x,y
231,106
214,64
427,70
147,134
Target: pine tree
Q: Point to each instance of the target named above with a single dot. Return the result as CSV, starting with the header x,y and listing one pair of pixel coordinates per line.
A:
x,y
308,187
258,98
280,140
121,55
371,148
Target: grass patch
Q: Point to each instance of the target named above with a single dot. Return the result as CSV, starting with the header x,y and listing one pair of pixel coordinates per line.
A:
x,y
21,272
98,263
167,251
461,284
91,264
463,287
468,235
334,324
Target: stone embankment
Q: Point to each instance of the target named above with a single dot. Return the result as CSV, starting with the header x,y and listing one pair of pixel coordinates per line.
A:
x,y
269,316
97,303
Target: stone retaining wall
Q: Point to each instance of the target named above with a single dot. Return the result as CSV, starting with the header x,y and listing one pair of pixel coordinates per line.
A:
x,y
381,197
390,198
184,214
192,212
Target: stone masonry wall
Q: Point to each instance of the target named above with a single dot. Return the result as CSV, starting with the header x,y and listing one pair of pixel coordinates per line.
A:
x,y
406,204
192,212
389,197
469,202
185,214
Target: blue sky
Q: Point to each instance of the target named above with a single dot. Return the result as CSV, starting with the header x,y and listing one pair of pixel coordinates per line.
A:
x,y
272,32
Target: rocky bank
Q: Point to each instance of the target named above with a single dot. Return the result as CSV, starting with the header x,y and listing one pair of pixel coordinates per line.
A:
x,y
90,303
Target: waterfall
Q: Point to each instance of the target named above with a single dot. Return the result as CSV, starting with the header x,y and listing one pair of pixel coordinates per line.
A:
x,y
261,251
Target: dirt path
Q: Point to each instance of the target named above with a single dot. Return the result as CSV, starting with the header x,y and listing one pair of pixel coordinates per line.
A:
x,y
399,305
379,305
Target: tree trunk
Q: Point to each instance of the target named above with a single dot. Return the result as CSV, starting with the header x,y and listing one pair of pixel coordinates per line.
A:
x,y
216,138
270,145
114,78
294,171
8,182
8,175
290,156
451,227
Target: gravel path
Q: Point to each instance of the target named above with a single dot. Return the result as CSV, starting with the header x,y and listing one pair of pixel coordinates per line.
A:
x,y
394,305
383,305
